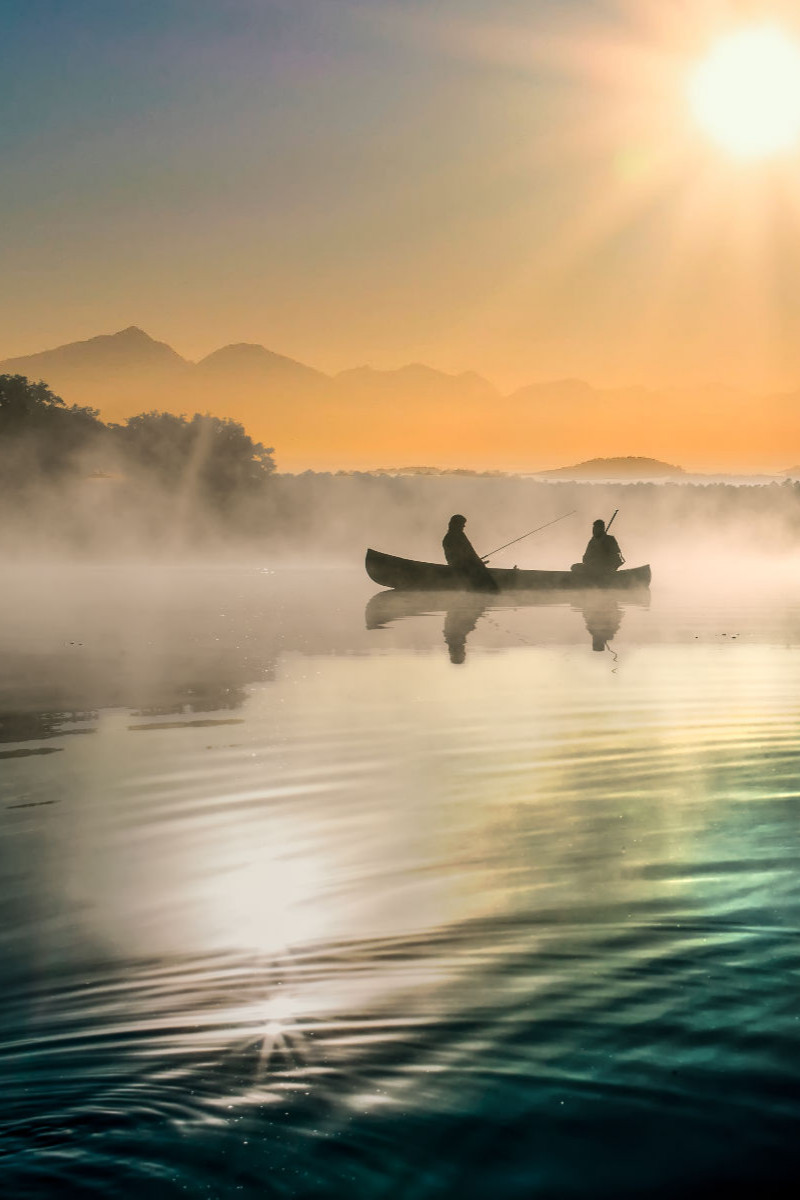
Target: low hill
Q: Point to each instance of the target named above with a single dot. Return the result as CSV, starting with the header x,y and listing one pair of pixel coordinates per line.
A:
x,y
617,468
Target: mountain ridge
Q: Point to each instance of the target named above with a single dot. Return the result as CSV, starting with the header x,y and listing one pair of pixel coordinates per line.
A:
x,y
351,419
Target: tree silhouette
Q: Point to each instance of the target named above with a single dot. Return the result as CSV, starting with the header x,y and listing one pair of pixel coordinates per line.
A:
x,y
211,457
211,462
40,436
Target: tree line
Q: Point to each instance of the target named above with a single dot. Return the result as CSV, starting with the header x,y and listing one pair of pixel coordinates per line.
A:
x,y
44,441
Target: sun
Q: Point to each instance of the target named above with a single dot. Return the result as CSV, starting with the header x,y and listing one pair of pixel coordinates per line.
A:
x,y
746,93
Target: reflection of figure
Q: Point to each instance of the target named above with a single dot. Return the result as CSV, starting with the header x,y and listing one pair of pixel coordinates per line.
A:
x,y
464,559
459,621
602,555
603,617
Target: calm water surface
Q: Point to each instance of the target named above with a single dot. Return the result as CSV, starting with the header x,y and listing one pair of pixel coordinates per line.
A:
x,y
308,892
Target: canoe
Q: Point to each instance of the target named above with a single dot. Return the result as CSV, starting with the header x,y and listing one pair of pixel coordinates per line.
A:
x,y
407,573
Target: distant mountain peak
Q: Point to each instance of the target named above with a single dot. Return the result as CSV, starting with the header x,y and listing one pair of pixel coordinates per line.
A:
x,y
415,381
407,371
240,348
129,348
132,335
240,351
556,389
418,368
251,356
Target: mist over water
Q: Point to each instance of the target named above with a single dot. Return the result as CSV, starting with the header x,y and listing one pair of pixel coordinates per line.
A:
x,y
314,890
330,519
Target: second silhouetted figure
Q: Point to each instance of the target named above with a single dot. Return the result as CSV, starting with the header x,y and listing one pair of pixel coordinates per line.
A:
x,y
602,555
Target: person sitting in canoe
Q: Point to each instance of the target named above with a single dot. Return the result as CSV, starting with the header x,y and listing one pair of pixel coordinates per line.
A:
x,y
464,558
602,555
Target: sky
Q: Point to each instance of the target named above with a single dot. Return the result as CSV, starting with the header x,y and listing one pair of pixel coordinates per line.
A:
x,y
516,188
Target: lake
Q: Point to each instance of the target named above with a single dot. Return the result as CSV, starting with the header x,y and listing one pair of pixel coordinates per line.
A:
x,y
313,892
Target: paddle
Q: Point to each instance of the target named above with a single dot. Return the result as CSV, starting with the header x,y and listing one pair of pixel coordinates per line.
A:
x,y
530,531
608,526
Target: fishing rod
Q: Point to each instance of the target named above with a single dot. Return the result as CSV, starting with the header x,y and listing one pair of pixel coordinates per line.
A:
x,y
530,531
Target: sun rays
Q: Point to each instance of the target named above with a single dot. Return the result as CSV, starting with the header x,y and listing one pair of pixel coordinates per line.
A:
x,y
675,148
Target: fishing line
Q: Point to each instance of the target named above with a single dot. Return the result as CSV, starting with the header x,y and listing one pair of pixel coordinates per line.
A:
x,y
530,531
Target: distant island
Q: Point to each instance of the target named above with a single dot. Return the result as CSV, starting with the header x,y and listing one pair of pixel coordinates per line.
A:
x,y
607,469
630,467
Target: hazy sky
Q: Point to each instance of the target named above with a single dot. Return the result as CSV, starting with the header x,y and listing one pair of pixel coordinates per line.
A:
x,y
515,187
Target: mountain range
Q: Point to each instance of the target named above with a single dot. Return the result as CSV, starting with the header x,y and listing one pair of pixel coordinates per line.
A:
x,y
360,416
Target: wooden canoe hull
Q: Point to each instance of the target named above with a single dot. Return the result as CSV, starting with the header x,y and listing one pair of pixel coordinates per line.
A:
x,y
408,574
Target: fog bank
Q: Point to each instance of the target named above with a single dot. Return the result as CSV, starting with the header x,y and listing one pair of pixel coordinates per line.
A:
x,y
334,518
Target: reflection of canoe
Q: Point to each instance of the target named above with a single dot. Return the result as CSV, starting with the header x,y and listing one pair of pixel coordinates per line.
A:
x,y
384,607
406,574
387,606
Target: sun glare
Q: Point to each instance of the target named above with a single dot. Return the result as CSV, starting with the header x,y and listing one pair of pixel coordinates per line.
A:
x,y
746,93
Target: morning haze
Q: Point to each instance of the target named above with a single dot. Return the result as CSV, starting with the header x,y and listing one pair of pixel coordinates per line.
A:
x,y
399,625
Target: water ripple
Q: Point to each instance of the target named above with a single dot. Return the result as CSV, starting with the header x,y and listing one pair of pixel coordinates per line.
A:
x,y
683,1024
401,930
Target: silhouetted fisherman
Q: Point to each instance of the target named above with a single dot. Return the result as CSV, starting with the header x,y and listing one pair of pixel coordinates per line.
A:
x,y
602,555
462,556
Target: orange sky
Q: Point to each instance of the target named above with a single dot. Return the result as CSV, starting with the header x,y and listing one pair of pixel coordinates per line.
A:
x,y
518,188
